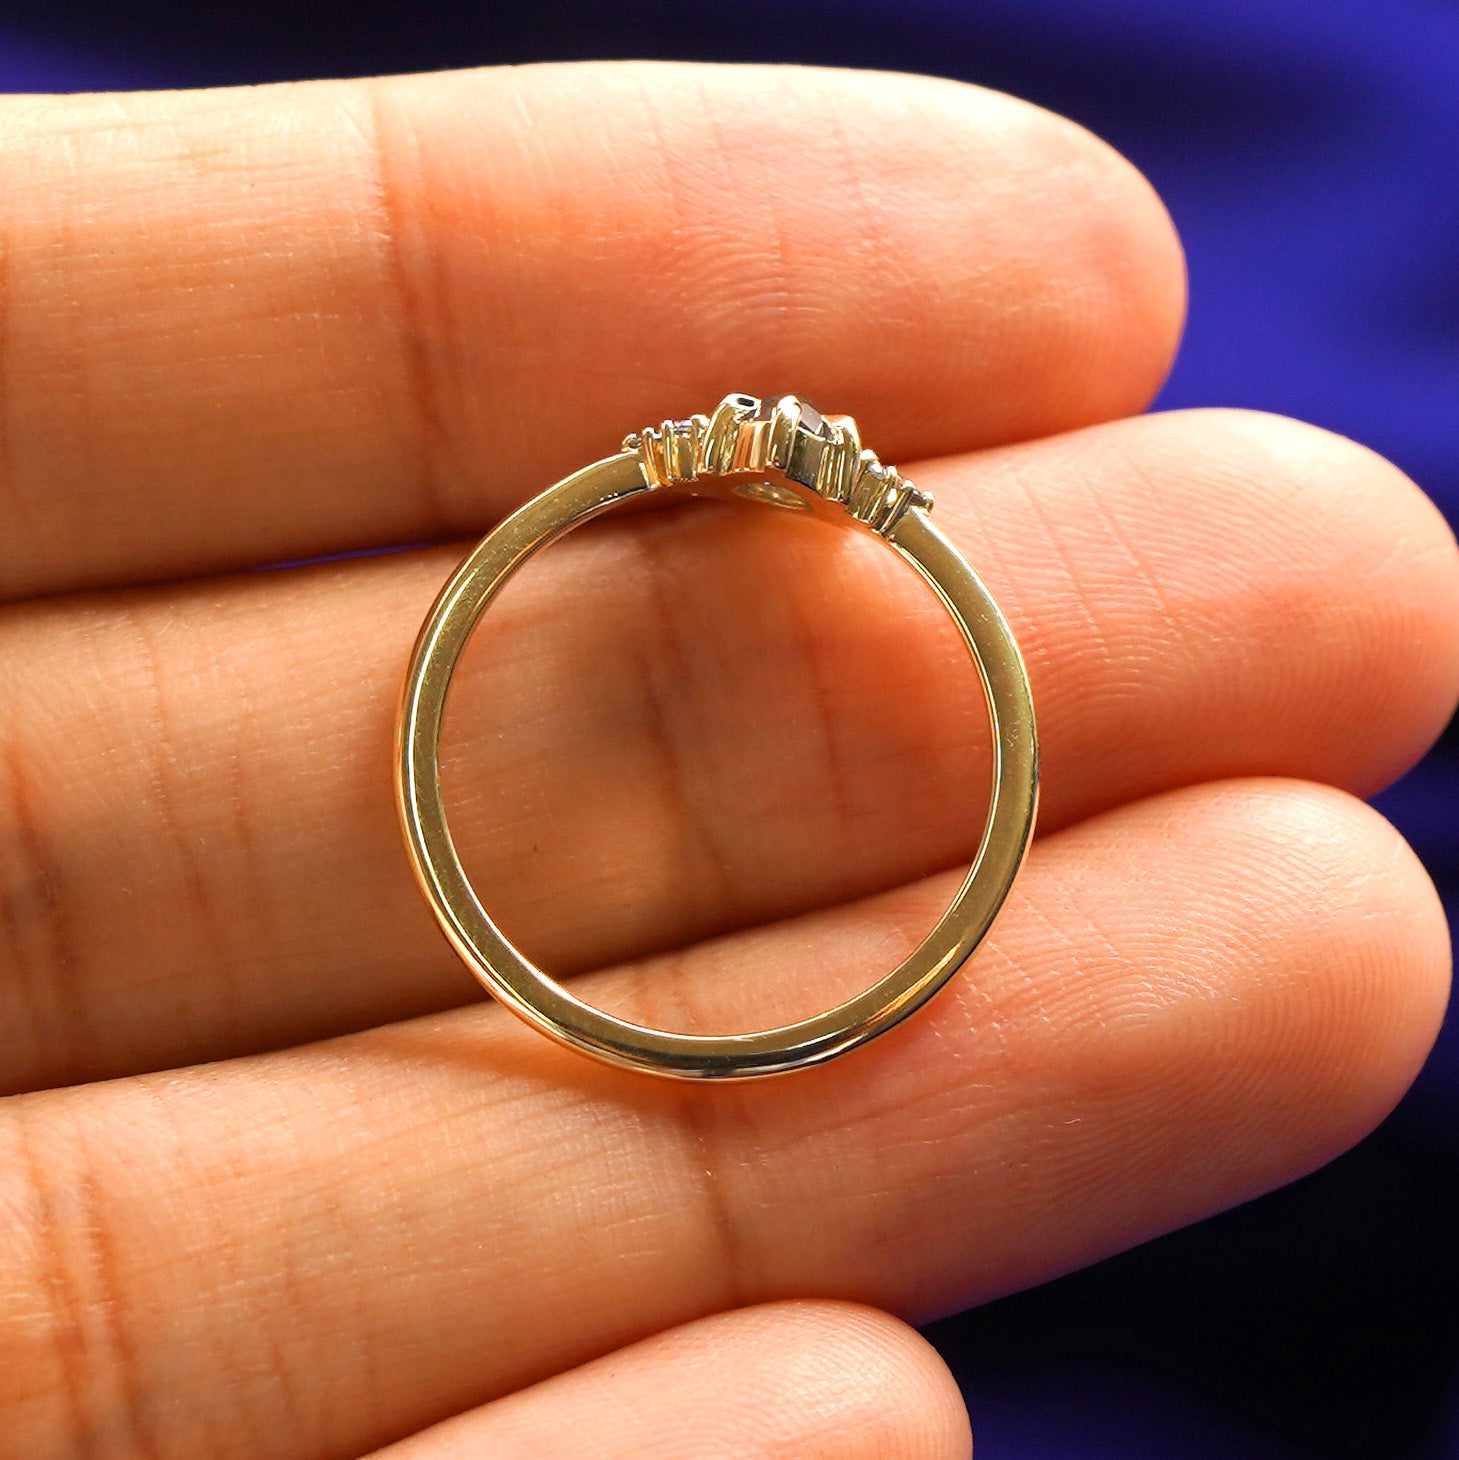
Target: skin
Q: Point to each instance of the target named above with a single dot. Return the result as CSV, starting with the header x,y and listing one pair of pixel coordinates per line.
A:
x,y
276,1182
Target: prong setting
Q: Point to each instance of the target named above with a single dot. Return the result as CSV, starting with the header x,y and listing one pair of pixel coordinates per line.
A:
x,y
821,454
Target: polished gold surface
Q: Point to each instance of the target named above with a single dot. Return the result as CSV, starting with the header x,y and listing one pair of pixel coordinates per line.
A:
x,y
784,453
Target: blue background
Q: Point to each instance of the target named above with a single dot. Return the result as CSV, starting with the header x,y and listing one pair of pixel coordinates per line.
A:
x,y
1309,152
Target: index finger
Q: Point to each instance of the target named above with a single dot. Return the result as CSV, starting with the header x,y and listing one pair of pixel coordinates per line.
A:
x,y
275,322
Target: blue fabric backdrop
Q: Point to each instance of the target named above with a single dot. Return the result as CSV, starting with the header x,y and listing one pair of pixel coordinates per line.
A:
x,y
1309,151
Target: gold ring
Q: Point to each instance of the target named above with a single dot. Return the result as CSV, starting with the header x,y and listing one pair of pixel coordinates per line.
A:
x,y
782,452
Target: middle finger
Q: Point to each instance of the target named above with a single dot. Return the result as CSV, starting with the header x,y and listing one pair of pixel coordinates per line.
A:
x,y
680,726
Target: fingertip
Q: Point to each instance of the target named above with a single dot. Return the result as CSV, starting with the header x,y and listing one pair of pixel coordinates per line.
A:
x,y
890,1392
1126,266
1289,571
1385,945
1354,971
1390,581
1097,302
1249,975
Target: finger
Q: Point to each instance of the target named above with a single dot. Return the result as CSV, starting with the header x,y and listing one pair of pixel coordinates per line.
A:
x,y
676,728
272,322
819,1381
1188,1000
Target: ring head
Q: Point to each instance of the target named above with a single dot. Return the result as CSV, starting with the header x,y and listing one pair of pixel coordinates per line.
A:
x,y
802,456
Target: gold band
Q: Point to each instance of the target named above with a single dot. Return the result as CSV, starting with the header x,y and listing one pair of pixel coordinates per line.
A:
x,y
785,453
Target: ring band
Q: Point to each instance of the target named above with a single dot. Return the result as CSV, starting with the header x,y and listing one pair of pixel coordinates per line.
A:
x,y
784,453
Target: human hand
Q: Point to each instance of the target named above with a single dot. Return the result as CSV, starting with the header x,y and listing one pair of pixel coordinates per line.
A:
x,y
259,325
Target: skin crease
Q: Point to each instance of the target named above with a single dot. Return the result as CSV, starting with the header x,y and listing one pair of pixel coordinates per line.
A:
x,y
712,765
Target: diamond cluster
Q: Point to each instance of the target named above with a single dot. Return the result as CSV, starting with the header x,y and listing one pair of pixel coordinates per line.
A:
x,y
820,453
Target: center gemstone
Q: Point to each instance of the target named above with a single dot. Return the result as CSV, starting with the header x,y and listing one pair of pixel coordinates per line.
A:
x,y
810,418
801,459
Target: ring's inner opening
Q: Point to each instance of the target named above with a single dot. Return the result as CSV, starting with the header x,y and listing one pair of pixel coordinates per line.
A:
x,y
716,768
